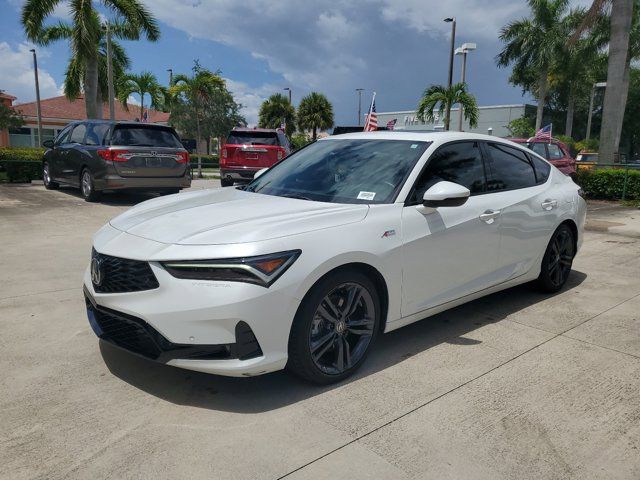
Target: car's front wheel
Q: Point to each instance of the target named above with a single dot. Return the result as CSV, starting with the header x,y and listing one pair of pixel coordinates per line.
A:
x,y
46,177
335,327
87,186
557,260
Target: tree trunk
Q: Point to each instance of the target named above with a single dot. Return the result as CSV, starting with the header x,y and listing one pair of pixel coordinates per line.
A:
x,y
447,116
571,104
141,106
542,94
314,134
615,95
99,103
91,88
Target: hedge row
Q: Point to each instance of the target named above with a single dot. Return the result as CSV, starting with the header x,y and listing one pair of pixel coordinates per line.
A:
x,y
608,184
208,161
21,164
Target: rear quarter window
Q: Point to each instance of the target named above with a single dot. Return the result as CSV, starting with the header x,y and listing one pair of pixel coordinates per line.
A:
x,y
542,168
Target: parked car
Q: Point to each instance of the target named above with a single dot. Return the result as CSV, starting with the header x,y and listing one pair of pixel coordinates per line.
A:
x,y
99,155
345,239
248,150
556,152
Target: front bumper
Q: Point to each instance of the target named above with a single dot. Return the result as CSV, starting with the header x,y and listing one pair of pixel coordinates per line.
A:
x,y
232,329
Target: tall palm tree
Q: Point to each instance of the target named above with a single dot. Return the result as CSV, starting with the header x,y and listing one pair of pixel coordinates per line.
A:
x,y
315,112
195,91
142,84
437,96
86,35
276,110
535,42
622,47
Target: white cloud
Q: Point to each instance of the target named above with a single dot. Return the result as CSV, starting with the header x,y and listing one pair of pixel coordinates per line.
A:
x,y
16,74
251,98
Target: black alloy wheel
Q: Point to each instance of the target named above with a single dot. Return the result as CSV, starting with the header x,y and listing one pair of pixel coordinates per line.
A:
x,y
335,328
46,177
557,260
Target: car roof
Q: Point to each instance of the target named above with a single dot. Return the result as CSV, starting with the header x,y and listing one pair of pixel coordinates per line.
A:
x,y
437,137
120,122
247,129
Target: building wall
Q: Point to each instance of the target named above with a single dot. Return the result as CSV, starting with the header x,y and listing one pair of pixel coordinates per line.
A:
x,y
491,117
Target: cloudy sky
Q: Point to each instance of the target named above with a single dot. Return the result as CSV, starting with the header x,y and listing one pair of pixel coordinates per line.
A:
x,y
395,47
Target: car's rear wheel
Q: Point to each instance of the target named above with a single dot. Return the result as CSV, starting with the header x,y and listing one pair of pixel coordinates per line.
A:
x,y
46,177
226,182
87,186
170,191
557,260
335,328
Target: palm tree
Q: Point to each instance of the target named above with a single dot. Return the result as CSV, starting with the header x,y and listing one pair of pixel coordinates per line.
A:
x,y
315,112
143,84
533,43
276,110
624,13
437,96
195,91
86,35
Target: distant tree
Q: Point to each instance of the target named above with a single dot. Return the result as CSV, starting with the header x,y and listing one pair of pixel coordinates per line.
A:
x,y
299,140
521,127
85,33
315,112
202,106
9,118
143,84
439,97
276,110
532,44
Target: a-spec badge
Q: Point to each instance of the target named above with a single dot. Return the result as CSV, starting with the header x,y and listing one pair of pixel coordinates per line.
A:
x,y
388,233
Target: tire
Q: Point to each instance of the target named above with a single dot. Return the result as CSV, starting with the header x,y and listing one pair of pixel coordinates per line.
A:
x,y
317,339
226,182
170,191
557,260
46,178
87,187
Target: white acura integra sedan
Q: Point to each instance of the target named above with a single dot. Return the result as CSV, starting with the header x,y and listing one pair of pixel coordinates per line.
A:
x,y
350,237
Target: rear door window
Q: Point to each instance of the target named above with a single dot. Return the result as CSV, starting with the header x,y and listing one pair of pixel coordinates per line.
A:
x,y
555,153
539,148
144,136
77,136
510,168
252,138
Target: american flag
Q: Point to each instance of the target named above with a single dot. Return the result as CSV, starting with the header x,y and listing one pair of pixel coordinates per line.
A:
x,y
391,124
544,133
371,125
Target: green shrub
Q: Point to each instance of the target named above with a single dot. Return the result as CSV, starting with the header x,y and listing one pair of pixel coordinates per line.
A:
x,y
591,145
208,161
21,164
608,184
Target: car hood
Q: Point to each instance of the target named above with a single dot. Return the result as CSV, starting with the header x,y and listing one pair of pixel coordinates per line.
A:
x,y
229,215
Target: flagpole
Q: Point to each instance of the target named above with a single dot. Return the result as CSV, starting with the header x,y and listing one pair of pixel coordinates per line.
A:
x,y
373,99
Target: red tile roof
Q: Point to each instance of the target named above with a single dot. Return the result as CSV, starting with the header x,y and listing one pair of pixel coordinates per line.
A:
x,y
61,107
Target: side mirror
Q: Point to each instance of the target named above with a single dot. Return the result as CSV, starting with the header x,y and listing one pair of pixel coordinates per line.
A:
x,y
48,144
445,194
259,172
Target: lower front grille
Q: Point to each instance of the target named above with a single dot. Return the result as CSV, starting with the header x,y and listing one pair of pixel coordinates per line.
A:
x,y
137,336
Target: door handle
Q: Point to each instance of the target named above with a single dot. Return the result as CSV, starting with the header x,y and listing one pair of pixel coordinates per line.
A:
x,y
549,204
489,216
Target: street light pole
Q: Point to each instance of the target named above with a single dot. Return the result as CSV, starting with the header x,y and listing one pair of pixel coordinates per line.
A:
x,y
110,88
288,88
170,70
451,20
466,48
359,90
593,94
38,109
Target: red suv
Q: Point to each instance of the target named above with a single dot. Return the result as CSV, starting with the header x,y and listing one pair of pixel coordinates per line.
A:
x,y
248,150
556,152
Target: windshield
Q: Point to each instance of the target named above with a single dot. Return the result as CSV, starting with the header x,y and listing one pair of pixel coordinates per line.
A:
x,y
343,171
252,138
139,136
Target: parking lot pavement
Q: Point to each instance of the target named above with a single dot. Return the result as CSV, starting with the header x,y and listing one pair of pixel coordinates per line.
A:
x,y
515,385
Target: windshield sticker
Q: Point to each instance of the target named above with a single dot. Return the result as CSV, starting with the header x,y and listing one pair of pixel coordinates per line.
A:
x,y
414,145
366,195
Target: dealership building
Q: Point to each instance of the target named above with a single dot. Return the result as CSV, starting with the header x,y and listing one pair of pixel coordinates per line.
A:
x,y
491,119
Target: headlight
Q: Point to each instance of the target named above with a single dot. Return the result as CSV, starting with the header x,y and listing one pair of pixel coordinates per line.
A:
x,y
261,270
